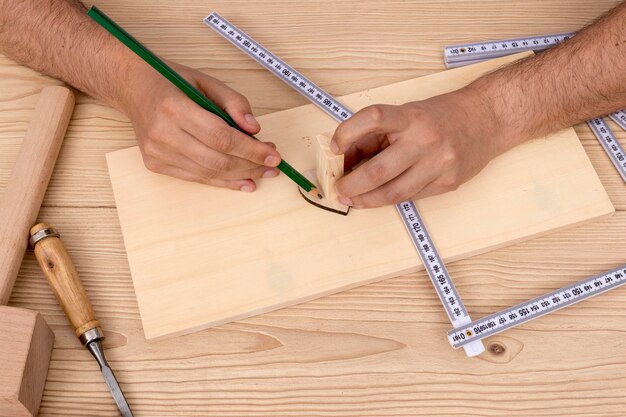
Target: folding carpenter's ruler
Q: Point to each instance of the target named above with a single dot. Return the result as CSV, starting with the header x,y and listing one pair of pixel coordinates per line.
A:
x,y
422,241
471,53
466,334
537,307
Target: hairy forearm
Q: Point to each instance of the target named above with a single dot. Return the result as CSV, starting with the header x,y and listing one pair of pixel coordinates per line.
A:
x,y
56,37
580,79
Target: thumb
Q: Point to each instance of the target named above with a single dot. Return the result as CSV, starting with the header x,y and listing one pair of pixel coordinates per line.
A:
x,y
236,105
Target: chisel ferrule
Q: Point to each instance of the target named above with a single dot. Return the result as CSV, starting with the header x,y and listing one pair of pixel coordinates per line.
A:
x,y
42,234
91,335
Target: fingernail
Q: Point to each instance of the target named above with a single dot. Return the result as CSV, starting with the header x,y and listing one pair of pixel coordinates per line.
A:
x,y
270,173
345,201
272,161
246,188
251,120
333,147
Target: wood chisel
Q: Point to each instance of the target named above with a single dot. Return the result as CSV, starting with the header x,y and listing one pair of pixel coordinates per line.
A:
x,y
68,288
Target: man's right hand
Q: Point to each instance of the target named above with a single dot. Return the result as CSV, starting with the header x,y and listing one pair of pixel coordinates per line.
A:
x,y
179,138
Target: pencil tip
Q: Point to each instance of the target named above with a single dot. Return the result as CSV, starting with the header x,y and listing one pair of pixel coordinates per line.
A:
x,y
316,193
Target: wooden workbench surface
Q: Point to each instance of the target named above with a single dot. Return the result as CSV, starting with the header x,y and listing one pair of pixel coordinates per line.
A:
x,y
378,350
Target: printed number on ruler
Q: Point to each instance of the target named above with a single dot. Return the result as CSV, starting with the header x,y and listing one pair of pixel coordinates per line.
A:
x,y
609,142
408,212
277,66
537,307
619,117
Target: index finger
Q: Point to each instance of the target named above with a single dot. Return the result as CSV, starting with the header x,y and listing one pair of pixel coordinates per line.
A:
x,y
218,135
373,120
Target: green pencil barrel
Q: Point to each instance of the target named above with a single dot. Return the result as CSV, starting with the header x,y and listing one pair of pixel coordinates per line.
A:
x,y
298,178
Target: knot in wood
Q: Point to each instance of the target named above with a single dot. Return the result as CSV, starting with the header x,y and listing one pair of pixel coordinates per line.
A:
x,y
497,348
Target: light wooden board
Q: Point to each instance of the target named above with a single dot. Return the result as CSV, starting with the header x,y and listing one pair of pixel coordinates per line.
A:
x,y
203,256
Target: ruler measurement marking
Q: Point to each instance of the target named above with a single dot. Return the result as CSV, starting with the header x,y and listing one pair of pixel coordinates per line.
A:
x,y
609,142
432,262
619,117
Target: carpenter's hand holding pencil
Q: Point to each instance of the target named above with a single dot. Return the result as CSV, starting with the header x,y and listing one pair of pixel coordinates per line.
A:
x,y
179,138
236,155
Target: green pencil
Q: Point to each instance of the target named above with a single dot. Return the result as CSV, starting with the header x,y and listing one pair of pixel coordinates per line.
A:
x,y
191,92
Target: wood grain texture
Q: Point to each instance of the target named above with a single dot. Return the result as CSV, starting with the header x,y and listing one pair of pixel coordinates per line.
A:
x,y
25,347
329,167
25,338
377,350
258,252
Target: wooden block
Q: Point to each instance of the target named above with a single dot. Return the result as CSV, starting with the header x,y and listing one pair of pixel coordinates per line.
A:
x,y
29,180
25,347
329,167
203,256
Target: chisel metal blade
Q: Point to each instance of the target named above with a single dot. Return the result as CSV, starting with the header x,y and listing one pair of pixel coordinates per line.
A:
x,y
117,393
96,350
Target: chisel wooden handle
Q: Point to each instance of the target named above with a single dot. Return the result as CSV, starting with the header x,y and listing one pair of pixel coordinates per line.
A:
x,y
29,179
63,278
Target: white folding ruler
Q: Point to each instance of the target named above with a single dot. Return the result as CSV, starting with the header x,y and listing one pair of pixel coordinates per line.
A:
x,y
471,53
537,307
422,241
